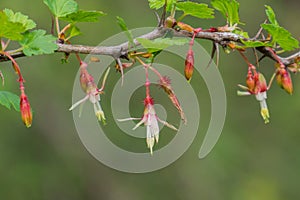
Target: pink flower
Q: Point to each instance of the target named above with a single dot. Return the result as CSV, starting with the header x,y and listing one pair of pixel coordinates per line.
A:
x,y
257,85
92,91
150,120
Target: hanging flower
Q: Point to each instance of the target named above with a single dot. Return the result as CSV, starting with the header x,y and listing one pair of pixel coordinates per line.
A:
x,y
150,120
257,85
92,91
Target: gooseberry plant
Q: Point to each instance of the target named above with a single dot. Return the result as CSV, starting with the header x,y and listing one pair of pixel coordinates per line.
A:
x,y
270,41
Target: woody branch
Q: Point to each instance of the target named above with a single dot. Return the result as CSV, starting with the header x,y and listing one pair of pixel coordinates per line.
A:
x,y
222,38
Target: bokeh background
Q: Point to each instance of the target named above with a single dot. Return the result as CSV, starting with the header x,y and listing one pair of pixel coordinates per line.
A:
x,y
251,161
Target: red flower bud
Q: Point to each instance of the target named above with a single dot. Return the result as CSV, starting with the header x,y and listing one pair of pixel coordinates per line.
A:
x,y
189,65
250,81
25,109
279,77
261,84
86,80
286,81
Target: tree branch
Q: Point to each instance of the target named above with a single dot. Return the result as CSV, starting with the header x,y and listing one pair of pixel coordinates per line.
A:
x,y
222,38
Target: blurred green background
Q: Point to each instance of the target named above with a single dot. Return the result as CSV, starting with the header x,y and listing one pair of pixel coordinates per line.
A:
x,y
251,161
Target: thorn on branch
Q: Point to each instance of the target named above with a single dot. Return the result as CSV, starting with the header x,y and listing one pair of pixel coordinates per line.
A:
x,y
121,69
2,77
215,50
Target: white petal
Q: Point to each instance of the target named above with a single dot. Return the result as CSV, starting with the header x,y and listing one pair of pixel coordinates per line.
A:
x,y
128,119
79,102
243,93
153,124
140,123
99,112
94,97
167,124
156,138
263,104
150,144
261,96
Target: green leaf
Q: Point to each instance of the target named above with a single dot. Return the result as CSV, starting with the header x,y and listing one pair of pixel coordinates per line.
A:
x,y
229,9
200,10
160,43
157,4
20,18
37,43
271,15
10,30
61,8
83,16
73,31
253,44
9,99
241,33
124,28
281,36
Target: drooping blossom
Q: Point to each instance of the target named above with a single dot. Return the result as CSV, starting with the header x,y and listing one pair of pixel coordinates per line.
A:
x,y
92,91
150,120
257,85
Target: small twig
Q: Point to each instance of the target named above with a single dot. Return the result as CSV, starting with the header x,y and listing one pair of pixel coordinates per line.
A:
x,y
256,57
104,80
245,58
259,31
57,25
271,80
52,25
64,29
163,15
15,65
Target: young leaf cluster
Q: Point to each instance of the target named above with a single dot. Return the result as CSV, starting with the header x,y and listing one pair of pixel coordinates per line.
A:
x,y
68,10
16,26
279,35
